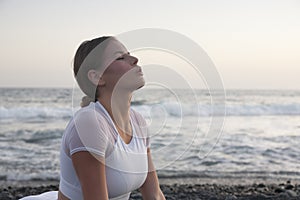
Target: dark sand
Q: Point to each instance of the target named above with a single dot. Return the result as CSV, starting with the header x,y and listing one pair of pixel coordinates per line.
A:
x,y
180,189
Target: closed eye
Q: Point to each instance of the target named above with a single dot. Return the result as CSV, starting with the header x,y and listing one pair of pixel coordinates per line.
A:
x,y
123,56
120,58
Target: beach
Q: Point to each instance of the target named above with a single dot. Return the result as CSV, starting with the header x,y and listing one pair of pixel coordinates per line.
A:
x,y
255,156
177,189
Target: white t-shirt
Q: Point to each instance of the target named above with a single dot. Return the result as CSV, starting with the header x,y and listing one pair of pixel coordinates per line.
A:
x,y
92,129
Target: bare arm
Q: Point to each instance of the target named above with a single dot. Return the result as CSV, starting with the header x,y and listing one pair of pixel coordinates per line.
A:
x,y
150,189
91,173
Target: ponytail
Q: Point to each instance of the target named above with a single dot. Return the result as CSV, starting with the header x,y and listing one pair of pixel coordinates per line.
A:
x,y
86,100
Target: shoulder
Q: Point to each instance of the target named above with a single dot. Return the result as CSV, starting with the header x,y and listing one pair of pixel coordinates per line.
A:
x,y
88,120
89,113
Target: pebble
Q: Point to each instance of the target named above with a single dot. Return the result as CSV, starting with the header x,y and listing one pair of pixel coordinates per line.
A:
x,y
284,195
188,191
279,190
289,187
232,197
291,193
261,185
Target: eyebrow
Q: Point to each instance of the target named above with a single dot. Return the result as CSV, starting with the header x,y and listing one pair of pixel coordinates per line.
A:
x,y
121,52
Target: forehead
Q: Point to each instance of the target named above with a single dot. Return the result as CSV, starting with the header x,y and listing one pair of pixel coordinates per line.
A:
x,y
114,47
105,53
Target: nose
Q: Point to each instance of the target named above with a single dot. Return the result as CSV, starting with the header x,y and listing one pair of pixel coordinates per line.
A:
x,y
134,60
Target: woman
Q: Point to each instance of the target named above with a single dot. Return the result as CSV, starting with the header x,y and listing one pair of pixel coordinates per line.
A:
x,y
105,150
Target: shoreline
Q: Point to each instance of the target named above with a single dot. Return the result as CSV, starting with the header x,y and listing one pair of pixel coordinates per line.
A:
x,y
184,188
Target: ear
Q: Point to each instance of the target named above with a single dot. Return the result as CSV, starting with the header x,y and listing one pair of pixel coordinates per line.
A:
x,y
95,78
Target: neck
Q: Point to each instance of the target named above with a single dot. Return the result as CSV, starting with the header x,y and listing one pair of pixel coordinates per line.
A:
x,y
117,105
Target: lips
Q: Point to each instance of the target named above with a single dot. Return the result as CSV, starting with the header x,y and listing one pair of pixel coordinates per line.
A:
x,y
139,70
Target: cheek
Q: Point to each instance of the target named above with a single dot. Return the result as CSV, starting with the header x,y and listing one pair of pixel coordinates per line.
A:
x,y
117,68
115,72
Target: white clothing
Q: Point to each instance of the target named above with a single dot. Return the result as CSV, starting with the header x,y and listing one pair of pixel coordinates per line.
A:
x,y
126,165
52,195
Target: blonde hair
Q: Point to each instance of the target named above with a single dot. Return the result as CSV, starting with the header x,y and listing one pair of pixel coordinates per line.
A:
x,y
86,100
80,70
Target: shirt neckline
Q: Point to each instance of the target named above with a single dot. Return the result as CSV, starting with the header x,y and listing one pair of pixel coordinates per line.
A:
x,y
114,126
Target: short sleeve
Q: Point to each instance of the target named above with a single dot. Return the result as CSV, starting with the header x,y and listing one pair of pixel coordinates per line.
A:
x,y
148,144
89,133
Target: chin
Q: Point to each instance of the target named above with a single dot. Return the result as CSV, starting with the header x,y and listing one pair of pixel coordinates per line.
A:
x,y
131,85
137,85
141,84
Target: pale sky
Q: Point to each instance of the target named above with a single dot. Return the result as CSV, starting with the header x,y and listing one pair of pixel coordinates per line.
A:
x,y
253,44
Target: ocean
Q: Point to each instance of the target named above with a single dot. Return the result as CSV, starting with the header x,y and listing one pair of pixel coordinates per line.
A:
x,y
260,135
